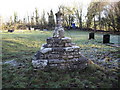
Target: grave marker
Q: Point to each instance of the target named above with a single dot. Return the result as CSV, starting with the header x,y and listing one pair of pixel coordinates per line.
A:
x,y
106,38
11,30
91,36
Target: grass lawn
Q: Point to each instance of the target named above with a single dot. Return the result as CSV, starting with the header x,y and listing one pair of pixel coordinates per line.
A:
x,y
22,45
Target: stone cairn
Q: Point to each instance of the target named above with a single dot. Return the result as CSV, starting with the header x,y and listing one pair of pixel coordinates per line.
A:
x,y
59,51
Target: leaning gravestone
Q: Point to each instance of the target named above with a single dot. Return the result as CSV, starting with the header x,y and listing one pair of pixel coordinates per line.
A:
x,y
59,51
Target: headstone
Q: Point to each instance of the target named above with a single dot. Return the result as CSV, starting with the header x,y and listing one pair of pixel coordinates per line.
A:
x,y
29,28
91,35
106,38
11,30
59,51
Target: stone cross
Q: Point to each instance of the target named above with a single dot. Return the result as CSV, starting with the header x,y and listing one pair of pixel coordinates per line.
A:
x,y
59,18
59,51
59,30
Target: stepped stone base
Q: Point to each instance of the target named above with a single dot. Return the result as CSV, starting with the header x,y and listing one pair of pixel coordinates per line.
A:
x,y
60,53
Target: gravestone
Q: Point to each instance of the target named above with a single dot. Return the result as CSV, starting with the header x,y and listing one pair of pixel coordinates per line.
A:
x,y
11,30
59,51
91,35
106,38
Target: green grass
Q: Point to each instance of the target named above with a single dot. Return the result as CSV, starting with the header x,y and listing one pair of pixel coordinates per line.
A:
x,y
21,46
18,44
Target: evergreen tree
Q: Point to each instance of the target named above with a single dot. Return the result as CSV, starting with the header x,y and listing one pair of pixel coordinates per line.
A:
x,y
36,16
15,17
51,21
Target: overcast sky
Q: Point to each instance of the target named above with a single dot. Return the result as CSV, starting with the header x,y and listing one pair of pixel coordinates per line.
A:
x,y
24,7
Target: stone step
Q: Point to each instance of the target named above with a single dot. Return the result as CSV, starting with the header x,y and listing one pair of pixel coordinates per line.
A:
x,y
59,49
54,40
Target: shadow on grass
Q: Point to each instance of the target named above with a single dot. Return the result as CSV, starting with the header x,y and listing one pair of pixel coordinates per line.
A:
x,y
28,77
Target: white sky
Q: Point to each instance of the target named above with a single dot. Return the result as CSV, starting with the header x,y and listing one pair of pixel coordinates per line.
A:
x,y
24,7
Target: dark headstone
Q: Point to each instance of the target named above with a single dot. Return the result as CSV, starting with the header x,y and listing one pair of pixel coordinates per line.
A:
x,y
29,28
91,35
106,38
10,30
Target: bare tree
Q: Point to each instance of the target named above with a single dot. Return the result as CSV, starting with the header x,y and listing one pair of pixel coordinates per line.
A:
x,y
36,16
95,9
113,16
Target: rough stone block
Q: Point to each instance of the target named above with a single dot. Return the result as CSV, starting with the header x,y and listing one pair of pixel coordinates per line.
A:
x,y
76,56
66,38
59,49
71,48
49,40
55,56
55,45
49,45
45,50
53,65
70,56
67,45
38,55
56,61
65,57
39,63
65,41
45,45
56,40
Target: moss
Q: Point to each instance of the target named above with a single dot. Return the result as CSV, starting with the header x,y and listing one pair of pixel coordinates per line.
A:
x,y
94,67
93,79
